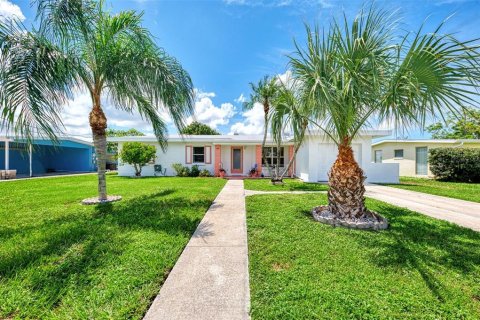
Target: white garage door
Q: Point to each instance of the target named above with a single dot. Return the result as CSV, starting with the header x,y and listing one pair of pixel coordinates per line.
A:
x,y
328,152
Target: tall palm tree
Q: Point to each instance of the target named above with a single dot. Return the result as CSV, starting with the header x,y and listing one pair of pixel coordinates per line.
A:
x,y
263,92
289,114
80,46
361,72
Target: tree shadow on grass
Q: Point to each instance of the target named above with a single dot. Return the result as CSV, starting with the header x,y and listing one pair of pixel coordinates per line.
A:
x,y
424,244
62,249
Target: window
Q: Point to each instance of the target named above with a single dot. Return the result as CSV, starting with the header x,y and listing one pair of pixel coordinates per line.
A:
x,y
271,156
398,153
198,154
378,156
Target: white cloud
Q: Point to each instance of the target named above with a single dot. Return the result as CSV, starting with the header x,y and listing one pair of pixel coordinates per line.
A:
x,y
206,111
286,79
75,116
9,11
253,123
240,99
199,94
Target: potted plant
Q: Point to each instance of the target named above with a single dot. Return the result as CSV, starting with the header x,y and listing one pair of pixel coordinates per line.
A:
x,y
221,172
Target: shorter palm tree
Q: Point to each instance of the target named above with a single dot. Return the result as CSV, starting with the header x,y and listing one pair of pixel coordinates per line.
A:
x,y
289,115
263,92
361,71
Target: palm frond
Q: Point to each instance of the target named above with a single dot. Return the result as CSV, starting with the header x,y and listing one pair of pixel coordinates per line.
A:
x,y
358,71
137,73
36,79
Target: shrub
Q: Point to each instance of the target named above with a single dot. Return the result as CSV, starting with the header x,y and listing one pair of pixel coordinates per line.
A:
x,y
181,170
194,171
205,173
137,154
455,164
178,168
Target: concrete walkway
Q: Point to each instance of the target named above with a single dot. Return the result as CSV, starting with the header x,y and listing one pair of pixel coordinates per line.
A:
x,y
210,279
461,212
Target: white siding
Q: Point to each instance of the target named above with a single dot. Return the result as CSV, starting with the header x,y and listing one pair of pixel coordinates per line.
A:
x,y
175,153
316,157
301,163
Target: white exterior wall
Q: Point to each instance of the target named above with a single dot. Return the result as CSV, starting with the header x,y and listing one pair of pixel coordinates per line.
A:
x,y
382,172
175,153
301,163
316,157
407,164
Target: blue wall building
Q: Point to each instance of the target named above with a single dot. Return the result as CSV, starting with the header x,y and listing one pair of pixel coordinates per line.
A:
x,y
67,155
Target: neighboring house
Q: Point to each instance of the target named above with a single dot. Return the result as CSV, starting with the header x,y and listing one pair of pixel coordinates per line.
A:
x,y
238,154
68,155
412,155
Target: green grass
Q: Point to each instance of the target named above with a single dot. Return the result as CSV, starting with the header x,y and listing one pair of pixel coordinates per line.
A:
x,y
62,260
289,185
420,268
458,190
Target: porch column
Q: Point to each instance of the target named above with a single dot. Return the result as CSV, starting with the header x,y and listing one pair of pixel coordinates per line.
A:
x,y
30,159
7,155
217,160
258,158
290,157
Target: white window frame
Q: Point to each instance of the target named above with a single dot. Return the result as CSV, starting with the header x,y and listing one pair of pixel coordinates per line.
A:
x,y
197,154
272,159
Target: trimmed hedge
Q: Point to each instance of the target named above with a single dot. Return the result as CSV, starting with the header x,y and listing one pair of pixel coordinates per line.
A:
x,y
455,164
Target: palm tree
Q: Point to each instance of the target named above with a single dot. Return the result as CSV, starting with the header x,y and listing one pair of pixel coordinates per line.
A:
x,y
263,92
80,46
360,73
289,114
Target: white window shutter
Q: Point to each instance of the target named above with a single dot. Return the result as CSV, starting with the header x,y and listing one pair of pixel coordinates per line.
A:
x,y
188,154
208,154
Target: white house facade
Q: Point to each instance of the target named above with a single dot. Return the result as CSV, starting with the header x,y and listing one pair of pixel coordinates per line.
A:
x,y
412,155
239,154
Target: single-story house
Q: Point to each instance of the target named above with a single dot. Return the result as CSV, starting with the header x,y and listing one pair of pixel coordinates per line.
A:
x,y
68,155
238,154
412,155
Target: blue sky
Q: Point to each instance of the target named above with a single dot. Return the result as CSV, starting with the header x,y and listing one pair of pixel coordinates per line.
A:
x,y
224,45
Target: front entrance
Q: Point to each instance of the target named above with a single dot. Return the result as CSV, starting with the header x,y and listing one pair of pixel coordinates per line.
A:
x,y
237,160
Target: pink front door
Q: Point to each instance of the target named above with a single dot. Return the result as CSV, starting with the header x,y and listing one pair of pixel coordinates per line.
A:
x,y
237,160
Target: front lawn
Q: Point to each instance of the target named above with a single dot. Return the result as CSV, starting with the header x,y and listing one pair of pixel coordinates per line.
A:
x,y
459,190
289,185
420,268
62,260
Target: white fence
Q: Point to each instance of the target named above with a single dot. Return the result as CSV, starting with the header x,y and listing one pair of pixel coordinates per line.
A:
x,y
382,172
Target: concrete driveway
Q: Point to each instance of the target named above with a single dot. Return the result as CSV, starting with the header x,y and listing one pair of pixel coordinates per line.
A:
x,y
461,212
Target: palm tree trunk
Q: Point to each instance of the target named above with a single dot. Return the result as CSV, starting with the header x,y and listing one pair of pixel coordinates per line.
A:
x,y
295,151
277,167
264,141
346,190
290,162
98,124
